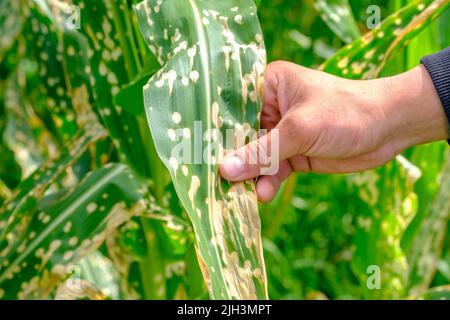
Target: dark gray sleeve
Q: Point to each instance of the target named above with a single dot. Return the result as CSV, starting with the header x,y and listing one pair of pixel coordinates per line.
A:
x,y
438,66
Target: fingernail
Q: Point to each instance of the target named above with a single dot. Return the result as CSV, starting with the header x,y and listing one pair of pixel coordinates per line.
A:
x,y
233,167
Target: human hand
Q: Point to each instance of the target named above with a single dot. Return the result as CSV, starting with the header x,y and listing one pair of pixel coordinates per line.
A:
x,y
328,124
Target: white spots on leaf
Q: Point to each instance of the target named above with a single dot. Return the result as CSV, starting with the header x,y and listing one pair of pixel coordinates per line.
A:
x,y
185,170
194,76
173,163
226,51
71,51
67,227
191,52
159,83
59,270
182,46
369,54
195,184
91,207
214,13
185,81
253,96
68,255
238,19
358,67
112,78
343,63
177,36
102,70
215,115
171,77
176,117
205,21
186,133
171,134
73,241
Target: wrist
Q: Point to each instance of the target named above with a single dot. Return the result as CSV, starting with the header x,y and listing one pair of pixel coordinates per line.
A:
x,y
414,109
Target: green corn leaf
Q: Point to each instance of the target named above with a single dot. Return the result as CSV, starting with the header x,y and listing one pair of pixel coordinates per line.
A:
x,y
437,293
382,220
366,57
65,228
79,289
99,270
24,132
92,278
144,249
134,250
213,60
113,62
337,14
49,88
14,212
11,23
427,246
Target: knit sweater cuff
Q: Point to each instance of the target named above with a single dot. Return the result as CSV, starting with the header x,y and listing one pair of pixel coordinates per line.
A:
x,y
438,66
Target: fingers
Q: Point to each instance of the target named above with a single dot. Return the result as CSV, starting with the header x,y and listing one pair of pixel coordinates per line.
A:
x,y
268,186
260,157
247,162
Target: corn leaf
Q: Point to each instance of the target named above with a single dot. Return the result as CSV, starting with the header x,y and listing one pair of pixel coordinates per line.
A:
x,y
381,217
337,14
366,57
382,220
99,270
428,243
31,190
11,23
213,60
23,129
67,226
437,293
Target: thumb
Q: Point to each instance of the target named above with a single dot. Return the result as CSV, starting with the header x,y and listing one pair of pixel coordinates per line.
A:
x,y
259,157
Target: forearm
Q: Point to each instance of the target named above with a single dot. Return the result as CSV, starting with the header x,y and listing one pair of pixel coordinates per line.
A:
x,y
414,109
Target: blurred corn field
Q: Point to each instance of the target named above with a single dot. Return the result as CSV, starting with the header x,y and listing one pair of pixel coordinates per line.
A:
x,y
94,207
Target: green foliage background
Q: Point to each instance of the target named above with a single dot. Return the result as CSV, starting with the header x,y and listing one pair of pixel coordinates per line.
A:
x,y
63,98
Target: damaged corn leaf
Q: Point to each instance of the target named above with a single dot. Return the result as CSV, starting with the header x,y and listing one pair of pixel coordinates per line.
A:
x,y
386,218
50,89
24,130
100,272
382,220
13,214
213,60
427,246
82,290
337,14
113,62
11,23
67,226
367,56
436,293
